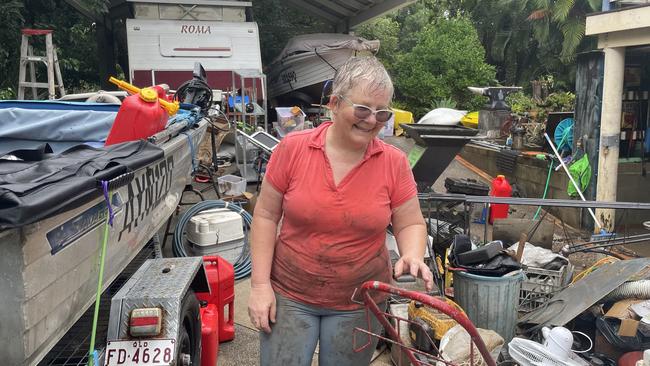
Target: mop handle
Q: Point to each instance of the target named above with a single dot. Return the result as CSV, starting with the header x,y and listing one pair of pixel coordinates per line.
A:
x,y
575,185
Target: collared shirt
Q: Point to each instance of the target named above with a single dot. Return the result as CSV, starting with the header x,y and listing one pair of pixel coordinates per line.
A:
x,y
332,237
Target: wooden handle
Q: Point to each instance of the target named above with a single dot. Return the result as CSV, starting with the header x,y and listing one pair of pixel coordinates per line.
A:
x,y
521,246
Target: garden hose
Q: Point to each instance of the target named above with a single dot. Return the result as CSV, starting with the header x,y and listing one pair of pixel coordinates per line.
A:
x,y
599,263
548,180
243,263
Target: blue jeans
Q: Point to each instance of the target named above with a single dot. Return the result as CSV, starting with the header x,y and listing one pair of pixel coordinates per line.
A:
x,y
299,327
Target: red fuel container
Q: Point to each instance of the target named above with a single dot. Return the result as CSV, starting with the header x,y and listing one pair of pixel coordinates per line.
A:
x,y
221,277
500,188
140,116
209,335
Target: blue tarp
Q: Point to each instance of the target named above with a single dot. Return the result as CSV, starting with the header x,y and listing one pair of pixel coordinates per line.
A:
x,y
53,127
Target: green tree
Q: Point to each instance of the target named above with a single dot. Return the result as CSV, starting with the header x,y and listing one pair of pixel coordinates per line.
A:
x,y
447,58
73,36
11,17
526,39
565,17
387,30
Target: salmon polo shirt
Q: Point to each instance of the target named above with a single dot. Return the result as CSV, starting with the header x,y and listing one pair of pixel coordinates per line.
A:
x,y
332,238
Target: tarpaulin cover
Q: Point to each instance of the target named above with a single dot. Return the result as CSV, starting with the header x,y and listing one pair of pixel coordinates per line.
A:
x,y
34,190
322,42
52,126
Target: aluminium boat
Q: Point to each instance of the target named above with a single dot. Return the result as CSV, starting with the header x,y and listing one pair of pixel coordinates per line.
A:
x,y
53,211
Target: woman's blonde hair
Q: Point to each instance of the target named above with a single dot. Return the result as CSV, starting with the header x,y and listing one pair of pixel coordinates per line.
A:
x,y
362,69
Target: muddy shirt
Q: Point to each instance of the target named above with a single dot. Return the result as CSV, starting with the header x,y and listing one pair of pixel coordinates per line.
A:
x,y
332,238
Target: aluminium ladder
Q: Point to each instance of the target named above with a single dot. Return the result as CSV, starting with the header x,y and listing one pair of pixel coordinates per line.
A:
x,y
50,60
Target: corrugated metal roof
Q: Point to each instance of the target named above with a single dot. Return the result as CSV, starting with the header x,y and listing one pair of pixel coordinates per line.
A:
x,y
348,13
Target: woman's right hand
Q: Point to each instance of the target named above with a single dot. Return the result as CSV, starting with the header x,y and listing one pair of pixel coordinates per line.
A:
x,y
261,306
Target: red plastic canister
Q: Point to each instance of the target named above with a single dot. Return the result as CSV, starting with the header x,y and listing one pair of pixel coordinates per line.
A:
x,y
500,188
139,117
221,277
209,335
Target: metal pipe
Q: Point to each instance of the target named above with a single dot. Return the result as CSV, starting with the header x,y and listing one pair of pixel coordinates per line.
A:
x,y
546,202
604,244
168,133
575,185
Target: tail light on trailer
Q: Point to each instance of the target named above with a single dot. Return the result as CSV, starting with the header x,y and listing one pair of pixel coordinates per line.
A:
x,y
145,322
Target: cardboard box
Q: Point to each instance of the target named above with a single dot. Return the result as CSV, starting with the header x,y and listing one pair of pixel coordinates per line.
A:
x,y
629,321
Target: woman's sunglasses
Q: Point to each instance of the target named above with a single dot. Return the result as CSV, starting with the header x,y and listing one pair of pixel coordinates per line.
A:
x,y
363,112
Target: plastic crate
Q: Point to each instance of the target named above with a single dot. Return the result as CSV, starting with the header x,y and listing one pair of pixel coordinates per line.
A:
x,y
289,119
231,185
540,285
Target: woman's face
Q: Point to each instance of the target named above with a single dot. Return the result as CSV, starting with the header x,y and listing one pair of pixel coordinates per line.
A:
x,y
359,132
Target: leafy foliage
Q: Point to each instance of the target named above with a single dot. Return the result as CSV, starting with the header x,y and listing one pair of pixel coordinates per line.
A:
x,y
560,102
444,103
520,103
11,17
387,30
74,37
523,104
567,19
447,59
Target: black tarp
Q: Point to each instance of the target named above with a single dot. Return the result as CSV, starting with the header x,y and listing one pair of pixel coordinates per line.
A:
x,y
34,190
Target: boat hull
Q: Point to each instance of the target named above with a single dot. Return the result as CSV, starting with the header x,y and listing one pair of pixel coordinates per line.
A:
x,y
49,269
303,70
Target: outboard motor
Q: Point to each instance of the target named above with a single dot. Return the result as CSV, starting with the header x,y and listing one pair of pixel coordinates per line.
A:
x,y
196,91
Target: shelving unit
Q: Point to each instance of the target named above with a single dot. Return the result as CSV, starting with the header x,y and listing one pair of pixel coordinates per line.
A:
x,y
247,107
634,122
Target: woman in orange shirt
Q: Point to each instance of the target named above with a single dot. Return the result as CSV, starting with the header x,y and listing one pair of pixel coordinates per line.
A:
x,y
334,189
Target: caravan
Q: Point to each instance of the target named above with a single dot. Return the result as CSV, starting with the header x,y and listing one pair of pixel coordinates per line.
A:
x,y
165,38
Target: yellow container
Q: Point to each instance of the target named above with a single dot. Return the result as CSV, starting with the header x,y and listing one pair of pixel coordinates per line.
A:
x,y
470,120
439,322
401,116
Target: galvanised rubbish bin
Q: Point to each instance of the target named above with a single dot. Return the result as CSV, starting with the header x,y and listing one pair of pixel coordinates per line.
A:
x,y
490,302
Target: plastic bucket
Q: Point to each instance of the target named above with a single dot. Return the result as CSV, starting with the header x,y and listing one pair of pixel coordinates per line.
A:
x,y
490,302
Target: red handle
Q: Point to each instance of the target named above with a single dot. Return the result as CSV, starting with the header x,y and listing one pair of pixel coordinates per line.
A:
x,y
433,302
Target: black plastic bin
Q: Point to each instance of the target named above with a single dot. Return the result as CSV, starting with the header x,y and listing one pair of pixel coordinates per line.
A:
x,y
436,146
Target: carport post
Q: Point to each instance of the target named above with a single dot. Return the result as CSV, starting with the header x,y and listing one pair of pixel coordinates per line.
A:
x,y
610,131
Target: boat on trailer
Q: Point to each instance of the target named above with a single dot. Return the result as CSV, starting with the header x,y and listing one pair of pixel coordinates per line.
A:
x,y
52,211
308,61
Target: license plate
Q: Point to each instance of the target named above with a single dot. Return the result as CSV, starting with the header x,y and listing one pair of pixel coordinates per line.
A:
x,y
155,352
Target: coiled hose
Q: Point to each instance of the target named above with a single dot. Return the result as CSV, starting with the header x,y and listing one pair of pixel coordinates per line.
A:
x,y
630,290
243,264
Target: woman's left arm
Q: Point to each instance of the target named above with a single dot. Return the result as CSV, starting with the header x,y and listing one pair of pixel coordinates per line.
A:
x,y
410,231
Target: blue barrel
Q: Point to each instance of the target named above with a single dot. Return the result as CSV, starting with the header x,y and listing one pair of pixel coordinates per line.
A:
x,y
490,302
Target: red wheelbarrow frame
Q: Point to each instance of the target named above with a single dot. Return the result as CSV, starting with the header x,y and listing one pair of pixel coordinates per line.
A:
x,y
393,331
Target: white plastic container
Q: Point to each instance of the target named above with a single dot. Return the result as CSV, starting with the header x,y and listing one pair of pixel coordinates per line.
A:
x,y
288,121
217,232
231,185
558,341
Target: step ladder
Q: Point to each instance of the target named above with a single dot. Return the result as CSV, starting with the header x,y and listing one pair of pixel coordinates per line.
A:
x,y
28,58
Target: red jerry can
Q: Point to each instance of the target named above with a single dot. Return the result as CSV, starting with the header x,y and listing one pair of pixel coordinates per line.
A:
x,y
221,277
500,188
140,116
209,335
